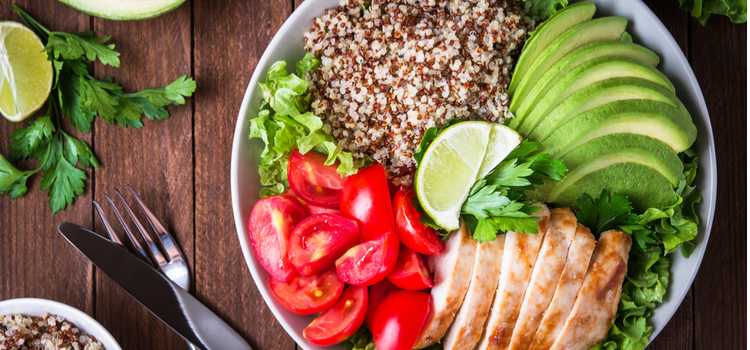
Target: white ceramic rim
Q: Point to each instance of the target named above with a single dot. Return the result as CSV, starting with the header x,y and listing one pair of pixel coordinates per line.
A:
x,y
84,322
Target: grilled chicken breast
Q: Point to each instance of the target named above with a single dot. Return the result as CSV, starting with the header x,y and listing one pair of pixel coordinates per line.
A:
x,y
469,324
576,264
519,256
549,266
596,304
453,269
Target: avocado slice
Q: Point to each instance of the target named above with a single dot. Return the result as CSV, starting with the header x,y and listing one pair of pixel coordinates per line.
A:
x,y
547,32
644,117
527,96
635,173
588,73
600,29
124,9
595,95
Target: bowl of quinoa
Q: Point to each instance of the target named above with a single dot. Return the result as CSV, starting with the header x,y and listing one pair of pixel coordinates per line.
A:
x,y
30,323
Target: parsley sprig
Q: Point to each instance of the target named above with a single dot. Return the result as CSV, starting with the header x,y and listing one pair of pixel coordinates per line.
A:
x,y
80,97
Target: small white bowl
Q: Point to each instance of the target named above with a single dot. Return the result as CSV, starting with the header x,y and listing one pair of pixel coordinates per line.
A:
x,y
646,29
84,322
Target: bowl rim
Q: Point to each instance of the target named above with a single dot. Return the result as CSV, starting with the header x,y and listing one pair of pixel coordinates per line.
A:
x,y
709,172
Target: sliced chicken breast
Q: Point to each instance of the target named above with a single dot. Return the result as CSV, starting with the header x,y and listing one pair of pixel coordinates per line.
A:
x,y
567,288
469,323
596,304
549,266
452,274
519,257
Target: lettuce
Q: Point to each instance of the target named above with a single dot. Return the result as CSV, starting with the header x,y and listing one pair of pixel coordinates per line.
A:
x,y
736,10
285,122
546,8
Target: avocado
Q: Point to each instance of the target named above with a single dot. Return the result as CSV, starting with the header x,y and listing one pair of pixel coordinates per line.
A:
x,y
644,117
547,32
635,173
124,9
527,96
595,95
588,73
600,29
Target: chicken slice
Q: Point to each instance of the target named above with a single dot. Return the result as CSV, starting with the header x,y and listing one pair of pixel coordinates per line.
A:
x,y
596,304
519,257
452,269
469,324
567,288
549,266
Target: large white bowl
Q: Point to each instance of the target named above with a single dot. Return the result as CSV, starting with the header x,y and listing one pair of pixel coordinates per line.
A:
x,y
646,30
84,322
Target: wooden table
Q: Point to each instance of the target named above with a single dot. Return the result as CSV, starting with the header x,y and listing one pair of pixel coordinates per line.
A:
x,y
181,167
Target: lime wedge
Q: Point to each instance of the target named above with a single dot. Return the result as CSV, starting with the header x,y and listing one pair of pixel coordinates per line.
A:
x,y
502,141
25,72
449,169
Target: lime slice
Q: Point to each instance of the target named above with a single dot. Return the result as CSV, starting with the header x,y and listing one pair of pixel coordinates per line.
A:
x,y
502,141
449,169
25,72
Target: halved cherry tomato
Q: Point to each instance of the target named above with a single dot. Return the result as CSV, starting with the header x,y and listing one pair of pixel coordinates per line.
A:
x,y
312,208
369,262
314,181
399,320
412,233
308,295
410,272
319,240
341,321
365,198
271,223
377,293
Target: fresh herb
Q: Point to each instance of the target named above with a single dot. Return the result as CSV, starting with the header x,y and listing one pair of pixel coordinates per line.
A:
x,y
80,97
285,122
545,8
361,340
736,10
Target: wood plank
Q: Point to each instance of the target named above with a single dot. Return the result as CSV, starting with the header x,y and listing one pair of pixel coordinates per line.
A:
x,y
156,160
28,235
229,41
719,59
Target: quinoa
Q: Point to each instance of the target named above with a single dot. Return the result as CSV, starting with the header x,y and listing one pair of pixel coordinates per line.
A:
x,y
392,69
48,332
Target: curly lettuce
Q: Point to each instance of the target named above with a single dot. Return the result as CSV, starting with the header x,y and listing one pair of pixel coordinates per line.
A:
x,y
545,8
736,10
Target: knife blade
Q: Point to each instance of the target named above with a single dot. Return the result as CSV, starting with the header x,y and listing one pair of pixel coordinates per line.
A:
x,y
174,306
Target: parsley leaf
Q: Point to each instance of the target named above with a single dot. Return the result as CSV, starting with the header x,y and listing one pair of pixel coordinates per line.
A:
x,y
73,46
606,212
63,183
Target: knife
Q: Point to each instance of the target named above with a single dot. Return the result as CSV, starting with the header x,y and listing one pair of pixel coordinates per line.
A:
x,y
179,310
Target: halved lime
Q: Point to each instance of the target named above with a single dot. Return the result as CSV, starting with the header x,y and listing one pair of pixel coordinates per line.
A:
x,y
502,141
25,72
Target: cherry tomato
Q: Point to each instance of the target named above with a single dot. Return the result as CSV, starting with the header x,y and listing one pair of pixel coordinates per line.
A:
x,y
399,320
341,321
412,233
377,293
308,295
410,272
314,181
312,208
365,198
271,223
369,262
319,240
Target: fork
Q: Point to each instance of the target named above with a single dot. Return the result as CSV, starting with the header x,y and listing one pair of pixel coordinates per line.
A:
x,y
172,264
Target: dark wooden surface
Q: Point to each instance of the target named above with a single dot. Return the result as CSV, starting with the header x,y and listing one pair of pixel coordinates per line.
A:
x,y
181,168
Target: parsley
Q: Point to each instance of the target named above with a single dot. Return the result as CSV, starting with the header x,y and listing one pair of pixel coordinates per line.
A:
x,y
80,97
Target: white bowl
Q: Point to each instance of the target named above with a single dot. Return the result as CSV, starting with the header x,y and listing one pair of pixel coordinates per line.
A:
x,y
84,322
646,30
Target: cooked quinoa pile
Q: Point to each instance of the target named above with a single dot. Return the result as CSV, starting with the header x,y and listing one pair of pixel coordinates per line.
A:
x,y
392,69
48,332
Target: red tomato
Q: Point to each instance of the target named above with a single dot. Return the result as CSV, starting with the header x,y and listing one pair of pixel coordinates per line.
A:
x,y
369,262
377,293
308,295
399,320
314,181
319,240
365,198
412,233
410,272
312,208
341,321
271,223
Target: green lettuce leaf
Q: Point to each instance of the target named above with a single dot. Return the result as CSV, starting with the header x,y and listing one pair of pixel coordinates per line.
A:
x,y
546,8
736,10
